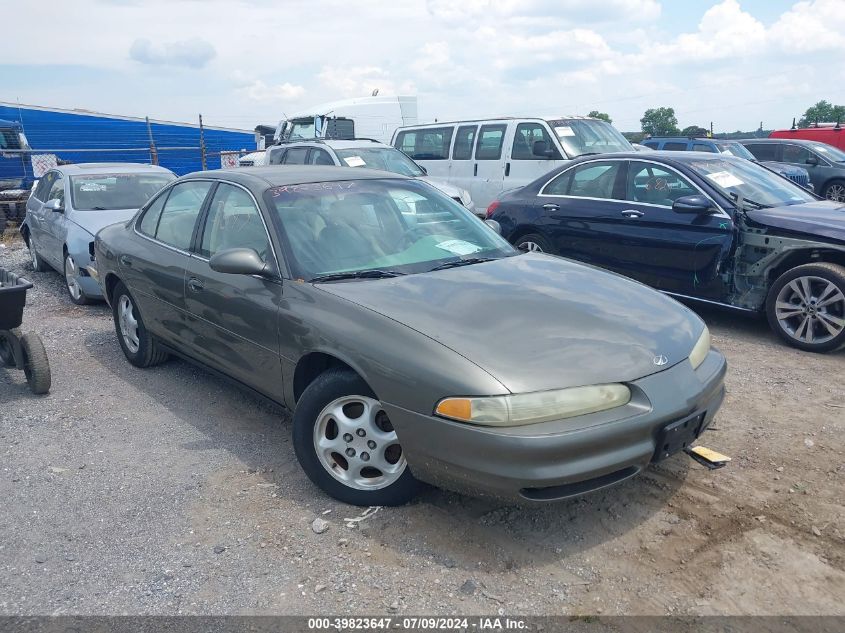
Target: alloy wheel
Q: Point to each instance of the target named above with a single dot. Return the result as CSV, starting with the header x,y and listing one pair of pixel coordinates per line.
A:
x,y
355,442
72,279
811,310
836,193
128,324
530,247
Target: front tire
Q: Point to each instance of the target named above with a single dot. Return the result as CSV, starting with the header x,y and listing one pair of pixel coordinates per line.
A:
x,y
806,307
346,444
72,285
138,345
533,243
835,191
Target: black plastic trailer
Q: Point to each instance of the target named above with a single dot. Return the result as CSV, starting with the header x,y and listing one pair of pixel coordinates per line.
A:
x,y
24,351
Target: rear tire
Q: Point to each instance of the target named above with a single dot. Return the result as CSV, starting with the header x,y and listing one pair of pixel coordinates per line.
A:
x,y
359,460
38,264
36,366
806,307
835,191
138,345
533,243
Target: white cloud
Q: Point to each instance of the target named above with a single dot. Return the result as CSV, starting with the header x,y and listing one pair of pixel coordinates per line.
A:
x,y
357,81
193,53
811,26
259,91
725,31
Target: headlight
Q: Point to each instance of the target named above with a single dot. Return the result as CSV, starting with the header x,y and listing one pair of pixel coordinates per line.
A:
x,y
532,408
699,352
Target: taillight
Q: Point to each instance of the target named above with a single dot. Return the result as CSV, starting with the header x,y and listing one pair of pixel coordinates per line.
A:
x,y
492,208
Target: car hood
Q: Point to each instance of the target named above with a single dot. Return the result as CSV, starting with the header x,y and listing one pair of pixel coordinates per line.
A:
x,y
537,322
821,218
450,190
783,168
93,221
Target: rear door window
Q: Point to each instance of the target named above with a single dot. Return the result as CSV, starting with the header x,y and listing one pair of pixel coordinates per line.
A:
x,y
652,144
464,140
490,140
588,180
179,216
703,147
763,151
675,147
295,156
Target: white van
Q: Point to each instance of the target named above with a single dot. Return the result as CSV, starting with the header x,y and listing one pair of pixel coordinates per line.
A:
x,y
488,156
364,117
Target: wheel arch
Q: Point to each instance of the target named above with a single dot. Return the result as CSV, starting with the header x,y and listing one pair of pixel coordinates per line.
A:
x,y
314,363
525,229
110,283
805,256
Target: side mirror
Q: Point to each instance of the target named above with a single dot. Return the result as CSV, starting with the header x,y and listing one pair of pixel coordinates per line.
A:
x,y
694,205
494,225
55,205
238,261
541,149
813,160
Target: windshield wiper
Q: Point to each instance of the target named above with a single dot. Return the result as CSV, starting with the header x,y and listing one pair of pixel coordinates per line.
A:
x,y
374,273
461,262
742,201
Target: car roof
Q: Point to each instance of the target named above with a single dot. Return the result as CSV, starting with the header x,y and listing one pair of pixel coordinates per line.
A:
x,y
111,168
689,138
573,117
353,143
798,141
275,175
667,156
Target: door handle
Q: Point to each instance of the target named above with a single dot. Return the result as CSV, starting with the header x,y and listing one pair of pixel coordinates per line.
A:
x,y
632,213
125,260
551,207
195,284
507,169
475,169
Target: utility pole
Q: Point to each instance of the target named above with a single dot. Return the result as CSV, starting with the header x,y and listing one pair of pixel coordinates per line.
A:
x,y
202,145
153,152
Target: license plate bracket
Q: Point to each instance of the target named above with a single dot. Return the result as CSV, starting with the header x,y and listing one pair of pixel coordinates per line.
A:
x,y
678,435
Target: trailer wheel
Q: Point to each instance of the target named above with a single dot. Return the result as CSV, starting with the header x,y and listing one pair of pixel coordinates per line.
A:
x,y
36,365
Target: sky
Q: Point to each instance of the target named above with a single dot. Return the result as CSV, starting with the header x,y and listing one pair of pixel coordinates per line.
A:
x,y
241,63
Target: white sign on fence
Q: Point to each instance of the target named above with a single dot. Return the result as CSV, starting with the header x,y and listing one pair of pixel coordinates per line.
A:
x,y
42,163
228,160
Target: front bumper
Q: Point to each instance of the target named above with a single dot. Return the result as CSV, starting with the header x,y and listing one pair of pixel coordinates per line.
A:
x,y
551,461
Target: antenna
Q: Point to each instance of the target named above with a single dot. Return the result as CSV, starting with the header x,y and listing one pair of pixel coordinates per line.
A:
x,y
793,124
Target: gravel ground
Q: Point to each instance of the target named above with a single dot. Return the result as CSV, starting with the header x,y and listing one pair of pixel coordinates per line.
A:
x,y
168,491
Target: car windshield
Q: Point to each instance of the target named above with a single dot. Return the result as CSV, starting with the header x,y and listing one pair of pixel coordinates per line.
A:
x,y
587,136
393,226
10,139
735,149
115,191
755,184
302,128
830,152
384,158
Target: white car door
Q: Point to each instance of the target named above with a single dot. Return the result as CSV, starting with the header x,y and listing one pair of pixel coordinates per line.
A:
x,y
489,163
522,165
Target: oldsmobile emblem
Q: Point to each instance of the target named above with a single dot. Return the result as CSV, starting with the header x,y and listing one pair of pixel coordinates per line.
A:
x,y
660,360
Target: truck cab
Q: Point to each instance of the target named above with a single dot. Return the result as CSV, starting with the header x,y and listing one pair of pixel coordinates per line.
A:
x,y
15,166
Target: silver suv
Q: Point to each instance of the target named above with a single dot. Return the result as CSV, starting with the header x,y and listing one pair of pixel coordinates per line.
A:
x,y
361,153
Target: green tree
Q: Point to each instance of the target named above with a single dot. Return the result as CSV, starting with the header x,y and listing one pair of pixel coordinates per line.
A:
x,y
604,116
694,130
823,112
660,122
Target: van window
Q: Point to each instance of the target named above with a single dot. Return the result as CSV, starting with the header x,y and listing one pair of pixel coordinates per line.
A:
x,y
489,144
652,144
426,144
675,147
703,147
523,141
339,128
763,151
464,140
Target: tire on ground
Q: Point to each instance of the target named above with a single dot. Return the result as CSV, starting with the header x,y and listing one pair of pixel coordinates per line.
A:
x,y
36,365
149,352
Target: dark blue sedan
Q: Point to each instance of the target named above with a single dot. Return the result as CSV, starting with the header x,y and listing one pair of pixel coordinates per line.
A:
x,y
701,226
